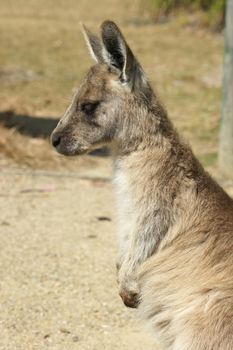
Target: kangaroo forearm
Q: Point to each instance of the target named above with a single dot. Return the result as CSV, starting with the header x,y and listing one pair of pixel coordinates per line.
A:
x,y
143,243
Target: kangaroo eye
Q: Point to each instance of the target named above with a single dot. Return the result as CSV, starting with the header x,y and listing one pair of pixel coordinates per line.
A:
x,y
89,107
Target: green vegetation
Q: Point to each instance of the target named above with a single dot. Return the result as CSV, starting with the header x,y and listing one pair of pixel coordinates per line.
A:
x,y
209,159
213,11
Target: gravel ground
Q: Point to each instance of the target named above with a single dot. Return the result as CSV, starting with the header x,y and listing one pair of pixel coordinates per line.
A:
x,y
57,266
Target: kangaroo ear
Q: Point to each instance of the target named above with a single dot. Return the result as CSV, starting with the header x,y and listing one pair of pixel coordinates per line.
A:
x,y
118,53
94,44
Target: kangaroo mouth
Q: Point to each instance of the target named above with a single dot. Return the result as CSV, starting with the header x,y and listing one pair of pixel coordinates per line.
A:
x,y
67,147
70,150
65,151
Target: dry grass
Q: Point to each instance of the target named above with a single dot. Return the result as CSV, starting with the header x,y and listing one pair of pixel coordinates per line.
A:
x,y
43,57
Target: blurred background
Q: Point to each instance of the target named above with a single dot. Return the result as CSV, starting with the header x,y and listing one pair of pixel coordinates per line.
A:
x,y
57,221
43,58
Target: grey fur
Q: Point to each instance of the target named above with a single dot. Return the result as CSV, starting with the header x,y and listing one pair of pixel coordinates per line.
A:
x,y
175,223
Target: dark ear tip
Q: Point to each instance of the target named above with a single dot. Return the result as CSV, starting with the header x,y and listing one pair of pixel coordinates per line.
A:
x,y
109,25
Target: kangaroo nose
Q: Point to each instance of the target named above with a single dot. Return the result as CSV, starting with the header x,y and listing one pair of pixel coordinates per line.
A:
x,y
56,139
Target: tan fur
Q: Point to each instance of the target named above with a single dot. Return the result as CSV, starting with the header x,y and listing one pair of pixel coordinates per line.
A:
x,y
175,227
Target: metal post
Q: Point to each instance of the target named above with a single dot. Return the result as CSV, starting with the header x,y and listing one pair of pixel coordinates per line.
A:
x,y
226,134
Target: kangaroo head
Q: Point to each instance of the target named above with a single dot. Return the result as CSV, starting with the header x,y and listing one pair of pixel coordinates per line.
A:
x,y
103,107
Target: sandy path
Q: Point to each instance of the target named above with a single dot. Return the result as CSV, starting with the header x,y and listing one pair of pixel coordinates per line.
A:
x,y
57,286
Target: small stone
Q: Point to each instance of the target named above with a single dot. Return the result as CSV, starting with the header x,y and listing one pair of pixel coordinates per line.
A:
x,y
5,223
75,339
92,236
104,218
65,331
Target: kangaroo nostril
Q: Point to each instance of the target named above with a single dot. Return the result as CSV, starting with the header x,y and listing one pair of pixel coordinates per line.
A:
x,y
56,139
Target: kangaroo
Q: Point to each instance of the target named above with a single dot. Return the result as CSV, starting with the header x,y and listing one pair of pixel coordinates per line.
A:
x,y
175,261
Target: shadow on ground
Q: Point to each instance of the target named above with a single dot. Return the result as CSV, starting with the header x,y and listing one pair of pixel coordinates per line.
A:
x,y
35,127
